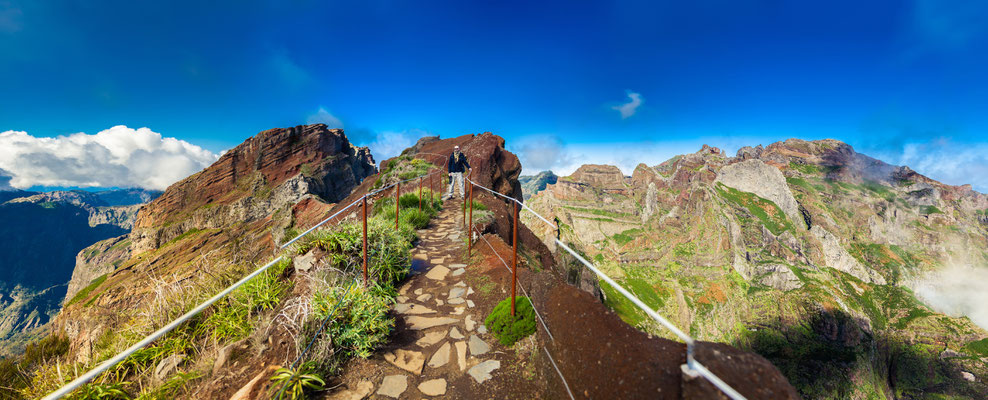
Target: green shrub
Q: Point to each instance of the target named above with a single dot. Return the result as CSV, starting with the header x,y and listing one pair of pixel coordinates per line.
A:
x,y
100,391
509,329
360,321
417,219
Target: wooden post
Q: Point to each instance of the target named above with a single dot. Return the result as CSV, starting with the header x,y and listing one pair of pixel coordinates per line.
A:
x,y
397,203
514,259
470,224
420,193
365,240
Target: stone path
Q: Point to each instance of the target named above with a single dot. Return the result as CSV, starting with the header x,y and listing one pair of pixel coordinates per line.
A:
x,y
450,339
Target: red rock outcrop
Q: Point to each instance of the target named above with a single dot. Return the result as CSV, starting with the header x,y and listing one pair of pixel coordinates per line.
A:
x,y
277,167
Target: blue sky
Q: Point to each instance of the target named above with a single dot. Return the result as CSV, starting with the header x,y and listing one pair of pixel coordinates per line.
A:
x,y
565,83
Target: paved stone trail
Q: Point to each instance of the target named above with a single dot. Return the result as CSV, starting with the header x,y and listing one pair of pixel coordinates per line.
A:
x,y
450,339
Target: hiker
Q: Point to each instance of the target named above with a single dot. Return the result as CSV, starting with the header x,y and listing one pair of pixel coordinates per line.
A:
x,y
457,166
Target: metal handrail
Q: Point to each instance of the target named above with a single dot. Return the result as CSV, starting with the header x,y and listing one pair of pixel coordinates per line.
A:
x,y
692,367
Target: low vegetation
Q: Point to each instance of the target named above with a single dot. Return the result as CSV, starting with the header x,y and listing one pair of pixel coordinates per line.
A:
x,y
508,328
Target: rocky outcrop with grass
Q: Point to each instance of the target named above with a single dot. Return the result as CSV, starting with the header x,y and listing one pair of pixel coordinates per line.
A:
x,y
806,252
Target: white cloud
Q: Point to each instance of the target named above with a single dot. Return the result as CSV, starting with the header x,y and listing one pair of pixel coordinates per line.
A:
x,y
541,152
324,117
388,144
942,159
628,109
957,290
115,157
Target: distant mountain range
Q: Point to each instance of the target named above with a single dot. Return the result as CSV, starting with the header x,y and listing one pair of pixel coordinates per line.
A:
x,y
532,184
40,236
806,252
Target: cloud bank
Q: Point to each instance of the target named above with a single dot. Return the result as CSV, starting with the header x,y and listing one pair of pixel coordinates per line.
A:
x,y
628,109
115,157
957,290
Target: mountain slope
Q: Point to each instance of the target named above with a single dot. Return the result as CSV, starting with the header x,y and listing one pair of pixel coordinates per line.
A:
x,y
804,252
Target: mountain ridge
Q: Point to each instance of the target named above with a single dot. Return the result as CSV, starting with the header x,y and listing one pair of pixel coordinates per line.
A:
x,y
800,230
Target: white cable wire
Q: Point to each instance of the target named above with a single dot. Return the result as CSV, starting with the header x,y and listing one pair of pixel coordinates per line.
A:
x,y
566,385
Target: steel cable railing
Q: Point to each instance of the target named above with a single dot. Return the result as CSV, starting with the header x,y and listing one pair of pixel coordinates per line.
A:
x,y
692,368
105,365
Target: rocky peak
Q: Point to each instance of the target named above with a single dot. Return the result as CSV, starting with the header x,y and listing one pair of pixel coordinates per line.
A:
x,y
604,176
275,168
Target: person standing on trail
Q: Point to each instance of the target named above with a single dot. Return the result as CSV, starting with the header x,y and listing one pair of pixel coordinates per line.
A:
x,y
457,166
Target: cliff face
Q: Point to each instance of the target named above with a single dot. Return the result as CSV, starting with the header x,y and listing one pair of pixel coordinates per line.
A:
x,y
231,213
801,242
274,168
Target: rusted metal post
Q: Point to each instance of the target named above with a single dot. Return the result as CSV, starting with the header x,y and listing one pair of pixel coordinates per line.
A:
x,y
514,259
365,240
397,203
420,193
470,224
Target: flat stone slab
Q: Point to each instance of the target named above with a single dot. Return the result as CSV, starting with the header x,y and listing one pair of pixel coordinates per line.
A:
x,y
412,309
457,266
423,298
457,292
457,300
478,346
469,322
455,333
395,385
418,291
458,272
438,273
470,303
481,329
433,387
420,323
459,310
460,284
432,338
440,357
410,361
482,372
461,355
438,260
361,392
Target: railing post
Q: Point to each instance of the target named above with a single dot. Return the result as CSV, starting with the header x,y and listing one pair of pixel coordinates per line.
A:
x,y
464,203
397,203
514,259
365,239
420,193
470,224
